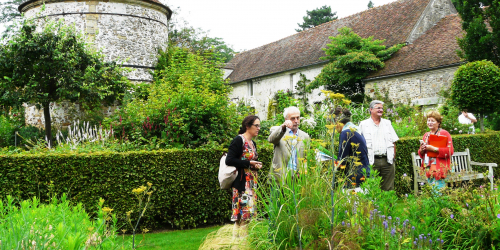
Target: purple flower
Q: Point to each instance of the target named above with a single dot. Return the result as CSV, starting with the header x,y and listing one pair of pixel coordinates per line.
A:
x,y
421,183
404,175
359,230
386,225
425,237
413,228
428,234
452,216
498,216
437,240
406,195
442,241
343,223
440,231
467,204
414,243
420,236
430,241
390,218
393,232
348,224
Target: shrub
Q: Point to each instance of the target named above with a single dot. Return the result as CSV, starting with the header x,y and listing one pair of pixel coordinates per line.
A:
x,y
6,132
185,184
56,225
476,87
186,106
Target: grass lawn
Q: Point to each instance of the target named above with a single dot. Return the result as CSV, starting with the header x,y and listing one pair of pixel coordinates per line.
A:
x,y
172,240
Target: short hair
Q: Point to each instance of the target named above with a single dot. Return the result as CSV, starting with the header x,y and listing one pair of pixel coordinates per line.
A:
x,y
290,109
375,102
436,115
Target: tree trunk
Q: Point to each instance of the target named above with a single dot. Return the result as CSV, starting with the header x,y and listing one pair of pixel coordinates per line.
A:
x,y
48,128
481,116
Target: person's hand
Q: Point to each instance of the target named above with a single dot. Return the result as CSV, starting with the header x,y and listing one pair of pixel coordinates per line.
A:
x,y
431,148
256,164
287,124
422,146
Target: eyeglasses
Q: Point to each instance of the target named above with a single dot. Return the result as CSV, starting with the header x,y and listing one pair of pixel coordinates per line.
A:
x,y
256,125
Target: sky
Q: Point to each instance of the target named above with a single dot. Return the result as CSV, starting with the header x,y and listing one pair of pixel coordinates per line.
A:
x,y
245,25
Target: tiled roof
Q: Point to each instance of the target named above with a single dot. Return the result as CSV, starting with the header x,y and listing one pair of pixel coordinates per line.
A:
x,y
393,22
437,47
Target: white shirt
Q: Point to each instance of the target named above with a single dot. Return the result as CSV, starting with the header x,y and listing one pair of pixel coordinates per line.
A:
x,y
383,139
464,120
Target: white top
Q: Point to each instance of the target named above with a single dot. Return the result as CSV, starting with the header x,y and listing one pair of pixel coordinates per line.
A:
x,y
464,120
379,139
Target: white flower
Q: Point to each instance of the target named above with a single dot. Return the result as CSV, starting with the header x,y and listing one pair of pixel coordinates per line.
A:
x,y
308,123
455,128
460,131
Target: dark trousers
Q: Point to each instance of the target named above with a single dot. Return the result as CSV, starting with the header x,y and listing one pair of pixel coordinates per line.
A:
x,y
386,171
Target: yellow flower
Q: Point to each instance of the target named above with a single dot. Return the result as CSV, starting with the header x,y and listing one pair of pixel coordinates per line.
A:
x,y
342,166
107,209
354,144
358,163
358,152
301,159
329,126
322,144
137,190
129,213
346,101
150,184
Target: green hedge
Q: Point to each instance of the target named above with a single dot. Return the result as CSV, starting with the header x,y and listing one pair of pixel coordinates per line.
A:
x,y
483,148
186,192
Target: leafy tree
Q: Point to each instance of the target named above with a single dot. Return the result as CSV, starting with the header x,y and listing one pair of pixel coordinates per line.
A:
x,y
9,13
187,104
197,40
481,24
302,91
352,58
370,5
476,87
55,65
316,17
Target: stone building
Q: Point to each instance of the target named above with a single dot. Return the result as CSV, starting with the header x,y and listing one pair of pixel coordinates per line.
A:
x,y
126,31
257,74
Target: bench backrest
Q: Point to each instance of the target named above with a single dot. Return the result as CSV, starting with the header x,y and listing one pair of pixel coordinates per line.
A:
x,y
460,162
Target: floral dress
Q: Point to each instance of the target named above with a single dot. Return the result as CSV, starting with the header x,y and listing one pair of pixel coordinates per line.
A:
x,y
244,203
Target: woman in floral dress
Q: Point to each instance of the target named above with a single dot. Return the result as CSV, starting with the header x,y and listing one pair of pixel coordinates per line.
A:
x,y
242,154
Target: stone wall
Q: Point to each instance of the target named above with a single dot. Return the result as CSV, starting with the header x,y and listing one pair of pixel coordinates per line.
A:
x,y
126,31
266,87
419,88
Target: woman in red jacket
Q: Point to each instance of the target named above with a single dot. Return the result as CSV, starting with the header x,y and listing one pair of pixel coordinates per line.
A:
x,y
436,167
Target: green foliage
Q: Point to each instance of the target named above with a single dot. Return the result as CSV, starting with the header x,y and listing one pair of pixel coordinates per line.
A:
x,y
57,224
302,91
186,106
180,34
482,30
351,58
316,17
370,4
474,83
6,131
55,65
8,14
186,189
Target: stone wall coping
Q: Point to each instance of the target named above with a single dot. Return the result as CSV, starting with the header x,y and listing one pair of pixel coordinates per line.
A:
x,y
25,6
427,101
364,81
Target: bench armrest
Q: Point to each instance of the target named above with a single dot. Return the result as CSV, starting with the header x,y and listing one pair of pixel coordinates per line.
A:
x,y
483,164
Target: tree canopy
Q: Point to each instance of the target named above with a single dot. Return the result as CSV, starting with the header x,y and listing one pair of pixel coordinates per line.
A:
x,y
55,65
352,58
181,34
476,87
481,22
370,5
316,17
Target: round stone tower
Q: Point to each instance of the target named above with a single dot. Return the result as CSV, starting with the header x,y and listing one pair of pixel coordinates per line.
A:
x,y
126,31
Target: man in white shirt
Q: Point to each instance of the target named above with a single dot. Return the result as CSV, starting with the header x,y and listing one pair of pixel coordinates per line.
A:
x,y
380,140
467,118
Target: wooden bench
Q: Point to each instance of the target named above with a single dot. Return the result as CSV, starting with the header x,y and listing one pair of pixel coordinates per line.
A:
x,y
461,169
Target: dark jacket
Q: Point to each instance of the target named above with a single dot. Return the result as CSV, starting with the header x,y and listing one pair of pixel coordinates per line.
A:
x,y
346,150
234,159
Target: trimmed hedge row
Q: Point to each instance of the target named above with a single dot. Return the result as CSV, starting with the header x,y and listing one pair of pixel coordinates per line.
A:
x,y
186,189
483,148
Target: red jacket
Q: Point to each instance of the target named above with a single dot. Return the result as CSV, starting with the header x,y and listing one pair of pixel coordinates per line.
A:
x,y
443,160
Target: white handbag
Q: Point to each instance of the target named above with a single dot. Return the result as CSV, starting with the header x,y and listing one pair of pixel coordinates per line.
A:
x,y
227,174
